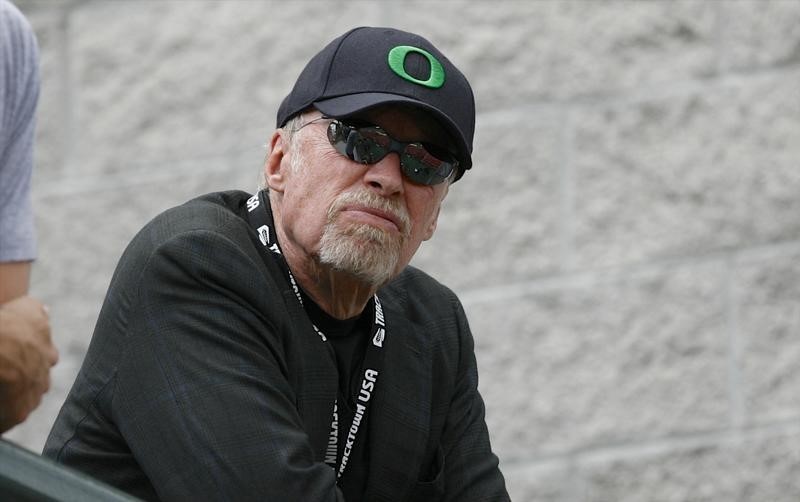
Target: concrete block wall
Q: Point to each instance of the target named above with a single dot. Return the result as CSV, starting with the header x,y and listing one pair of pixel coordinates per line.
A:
x,y
627,246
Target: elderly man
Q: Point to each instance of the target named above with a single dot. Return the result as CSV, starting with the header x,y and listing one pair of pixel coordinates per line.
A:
x,y
278,346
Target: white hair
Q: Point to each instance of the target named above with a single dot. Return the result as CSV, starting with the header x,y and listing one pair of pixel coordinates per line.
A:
x,y
289,130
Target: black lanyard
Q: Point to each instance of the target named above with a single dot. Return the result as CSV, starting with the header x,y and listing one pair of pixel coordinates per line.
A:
x,y
262,223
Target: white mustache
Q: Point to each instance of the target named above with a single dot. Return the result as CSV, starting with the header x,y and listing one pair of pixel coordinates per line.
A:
x,y
373,201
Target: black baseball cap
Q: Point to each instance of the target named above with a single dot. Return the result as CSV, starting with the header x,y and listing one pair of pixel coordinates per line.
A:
x,y
368,66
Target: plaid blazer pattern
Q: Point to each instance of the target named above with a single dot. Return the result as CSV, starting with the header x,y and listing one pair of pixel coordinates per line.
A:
x,y
205,380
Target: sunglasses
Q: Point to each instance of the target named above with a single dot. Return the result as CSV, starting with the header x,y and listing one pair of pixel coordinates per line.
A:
x,y
422,163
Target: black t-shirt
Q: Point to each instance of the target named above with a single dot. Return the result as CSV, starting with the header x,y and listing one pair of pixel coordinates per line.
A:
x,y
348,338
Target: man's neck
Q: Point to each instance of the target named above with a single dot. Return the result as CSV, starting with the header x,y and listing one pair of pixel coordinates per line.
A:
x,y
337,293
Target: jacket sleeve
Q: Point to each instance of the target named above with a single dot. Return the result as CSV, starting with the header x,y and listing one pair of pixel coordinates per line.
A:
x,y
202,395
470,468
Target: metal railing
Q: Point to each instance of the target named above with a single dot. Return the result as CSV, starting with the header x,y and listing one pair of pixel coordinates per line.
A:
x,y
26,476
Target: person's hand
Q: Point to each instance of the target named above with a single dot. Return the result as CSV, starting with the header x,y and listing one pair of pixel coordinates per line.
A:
x,y
26,355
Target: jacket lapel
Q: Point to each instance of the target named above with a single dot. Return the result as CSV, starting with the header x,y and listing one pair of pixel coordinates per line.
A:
x,y
400,419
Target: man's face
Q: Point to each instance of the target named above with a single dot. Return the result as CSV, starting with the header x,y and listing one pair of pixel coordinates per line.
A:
x,y
365,219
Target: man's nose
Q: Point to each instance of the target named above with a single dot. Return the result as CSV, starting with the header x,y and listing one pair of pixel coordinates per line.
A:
x,y
385,175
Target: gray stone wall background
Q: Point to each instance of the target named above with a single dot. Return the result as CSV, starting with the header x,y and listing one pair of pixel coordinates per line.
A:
x,y
627,245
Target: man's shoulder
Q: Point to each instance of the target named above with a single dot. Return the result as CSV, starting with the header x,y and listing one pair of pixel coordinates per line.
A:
x,y
229,202
199,222
412,277
14,24
417,291
212,212
20,49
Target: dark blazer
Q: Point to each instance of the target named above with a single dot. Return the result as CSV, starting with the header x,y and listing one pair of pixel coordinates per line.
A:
x,y
205,380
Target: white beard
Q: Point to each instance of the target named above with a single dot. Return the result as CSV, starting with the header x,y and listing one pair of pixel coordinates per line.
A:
x,y
365,251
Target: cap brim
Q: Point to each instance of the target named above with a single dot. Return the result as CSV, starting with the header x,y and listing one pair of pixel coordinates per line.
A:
x,y
345,106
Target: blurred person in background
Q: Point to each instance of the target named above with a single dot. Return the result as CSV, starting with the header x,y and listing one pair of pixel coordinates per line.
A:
x,y
26,351
277,346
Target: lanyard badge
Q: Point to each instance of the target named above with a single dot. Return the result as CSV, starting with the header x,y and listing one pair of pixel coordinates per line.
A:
x,y
262,223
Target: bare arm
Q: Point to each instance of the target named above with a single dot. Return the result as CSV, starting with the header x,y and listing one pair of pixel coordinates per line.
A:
x,y
14,280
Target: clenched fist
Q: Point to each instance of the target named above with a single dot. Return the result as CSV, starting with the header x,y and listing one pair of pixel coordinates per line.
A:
x,y
26,356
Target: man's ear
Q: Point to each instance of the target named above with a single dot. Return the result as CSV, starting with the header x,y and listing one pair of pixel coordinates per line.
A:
x,y
274,172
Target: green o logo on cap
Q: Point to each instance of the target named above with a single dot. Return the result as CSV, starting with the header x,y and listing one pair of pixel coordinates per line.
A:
x,y
397,59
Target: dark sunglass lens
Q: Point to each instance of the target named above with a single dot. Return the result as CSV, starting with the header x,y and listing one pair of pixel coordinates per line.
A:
x,y
373,144
337,136
423,167
440,153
